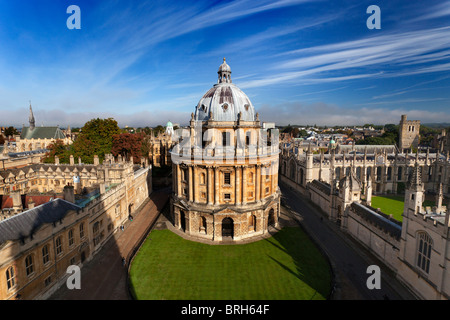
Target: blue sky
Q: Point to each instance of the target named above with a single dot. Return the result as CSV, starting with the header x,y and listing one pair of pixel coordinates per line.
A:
x,y
299,61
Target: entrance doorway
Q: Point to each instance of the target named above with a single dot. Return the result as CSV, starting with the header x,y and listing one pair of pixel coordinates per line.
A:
x,y
227,227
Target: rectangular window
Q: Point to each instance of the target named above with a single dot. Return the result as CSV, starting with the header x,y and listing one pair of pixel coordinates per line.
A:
x,y
227,178
45,254
58,245
71,241
227,196
81,230
48,281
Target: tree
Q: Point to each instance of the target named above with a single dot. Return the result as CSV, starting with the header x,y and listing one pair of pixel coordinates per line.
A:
x,y
158,129
58,148
2,139
128,145
96,138
11,131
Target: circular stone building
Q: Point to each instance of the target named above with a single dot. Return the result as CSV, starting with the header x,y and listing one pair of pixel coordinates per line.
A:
x,y
225,168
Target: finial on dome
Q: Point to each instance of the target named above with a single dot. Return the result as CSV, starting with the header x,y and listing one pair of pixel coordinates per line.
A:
x,y
224,73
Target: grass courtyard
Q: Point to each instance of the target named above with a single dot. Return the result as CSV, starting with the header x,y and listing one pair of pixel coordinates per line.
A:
x,y
286,266
393,205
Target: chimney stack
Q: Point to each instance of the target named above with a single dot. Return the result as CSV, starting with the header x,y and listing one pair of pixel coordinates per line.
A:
x,y
17,200
69,194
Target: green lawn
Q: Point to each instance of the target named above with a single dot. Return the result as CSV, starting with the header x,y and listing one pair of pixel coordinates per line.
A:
x,y
286,266
393,205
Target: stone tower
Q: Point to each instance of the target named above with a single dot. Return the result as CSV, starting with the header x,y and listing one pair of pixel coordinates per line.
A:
x,y
408,133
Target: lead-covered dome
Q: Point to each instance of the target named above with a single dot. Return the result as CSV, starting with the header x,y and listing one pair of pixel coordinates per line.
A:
x,y
225,100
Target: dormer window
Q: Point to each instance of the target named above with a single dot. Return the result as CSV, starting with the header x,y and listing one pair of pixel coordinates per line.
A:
x,y
225,107
246,106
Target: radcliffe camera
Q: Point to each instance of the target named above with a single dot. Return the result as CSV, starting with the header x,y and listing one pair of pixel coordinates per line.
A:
x,y
224,158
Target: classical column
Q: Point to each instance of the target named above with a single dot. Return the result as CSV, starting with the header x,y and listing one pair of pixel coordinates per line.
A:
x,y
244,185
216,185
178,178
258,182
190,184
262,189
209,186
237,185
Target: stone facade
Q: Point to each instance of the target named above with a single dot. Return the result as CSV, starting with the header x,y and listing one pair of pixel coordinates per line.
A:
x,y
33,261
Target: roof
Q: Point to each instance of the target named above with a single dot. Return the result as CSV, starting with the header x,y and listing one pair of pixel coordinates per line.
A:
x,y
26,223
225,101
390,227
42,133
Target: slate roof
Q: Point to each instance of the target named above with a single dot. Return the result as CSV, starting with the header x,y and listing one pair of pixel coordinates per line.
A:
x,y
42,133
367,214
323,187
26,223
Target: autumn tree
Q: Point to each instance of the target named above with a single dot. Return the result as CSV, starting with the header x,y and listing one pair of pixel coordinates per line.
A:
x,y
128,145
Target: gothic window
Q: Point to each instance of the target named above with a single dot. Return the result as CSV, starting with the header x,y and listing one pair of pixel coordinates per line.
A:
x,y
29,265
399,173
424,251
389,173
10,278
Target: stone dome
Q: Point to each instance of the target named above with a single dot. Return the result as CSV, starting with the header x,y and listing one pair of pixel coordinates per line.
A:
x,y
225,101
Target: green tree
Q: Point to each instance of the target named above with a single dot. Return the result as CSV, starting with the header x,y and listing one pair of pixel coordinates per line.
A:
x,y
10,131
96,138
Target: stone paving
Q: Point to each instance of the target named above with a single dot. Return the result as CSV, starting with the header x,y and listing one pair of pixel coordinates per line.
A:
x,y
105,277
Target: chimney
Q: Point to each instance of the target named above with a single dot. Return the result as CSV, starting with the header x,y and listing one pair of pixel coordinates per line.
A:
x,y
69,194
17,200
96,160
30,204
72,160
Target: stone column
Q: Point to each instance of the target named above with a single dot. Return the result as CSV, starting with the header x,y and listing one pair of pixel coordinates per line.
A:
x,y
195,184
238,186
244,185
178,181
216,185
209,186
263,179
258,182
191,184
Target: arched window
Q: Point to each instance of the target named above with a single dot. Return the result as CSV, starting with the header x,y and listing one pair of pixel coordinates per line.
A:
x,y
29,265
202,178
252,223
202,225
10,278
425,243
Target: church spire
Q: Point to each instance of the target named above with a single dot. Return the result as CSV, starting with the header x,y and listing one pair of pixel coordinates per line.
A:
x,y
31,118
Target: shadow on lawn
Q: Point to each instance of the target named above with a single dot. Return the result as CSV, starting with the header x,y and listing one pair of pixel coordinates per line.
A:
x,y
311,267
